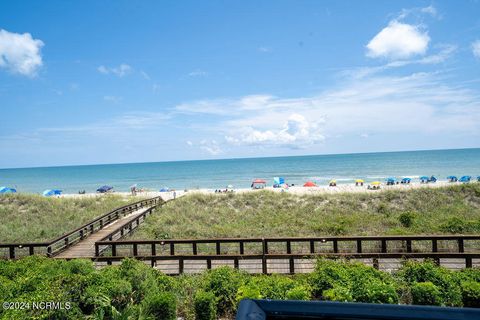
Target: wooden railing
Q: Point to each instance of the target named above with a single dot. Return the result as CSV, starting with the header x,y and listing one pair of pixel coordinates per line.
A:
x,y
59,244
241,246
283,263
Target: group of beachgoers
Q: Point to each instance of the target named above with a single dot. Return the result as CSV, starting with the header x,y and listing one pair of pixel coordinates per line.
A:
x,y
374,185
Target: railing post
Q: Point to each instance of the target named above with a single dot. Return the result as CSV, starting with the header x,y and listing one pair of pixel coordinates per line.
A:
x,y
172,248
384,246
264,258
49,251
209,263
359,246
135,250
289,247
154,249
194,248
217,247
291,263
375,263
468,262
241,248
91,228
97,250
81,234
180,265
335,246
101,223
409,245
434,245
66,242
31,250
235,263
312,246
114,249
12,252
461,247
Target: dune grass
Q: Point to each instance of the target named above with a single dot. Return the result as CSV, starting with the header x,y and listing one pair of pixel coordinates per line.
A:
x,y
453,209
33,218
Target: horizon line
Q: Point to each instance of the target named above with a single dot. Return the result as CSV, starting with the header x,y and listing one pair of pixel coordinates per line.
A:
x,y
236,158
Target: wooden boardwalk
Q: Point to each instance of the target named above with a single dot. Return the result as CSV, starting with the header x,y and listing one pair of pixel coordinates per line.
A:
x,y
86,247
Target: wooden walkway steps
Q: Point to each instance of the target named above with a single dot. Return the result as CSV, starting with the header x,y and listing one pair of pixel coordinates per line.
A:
x,y
86,247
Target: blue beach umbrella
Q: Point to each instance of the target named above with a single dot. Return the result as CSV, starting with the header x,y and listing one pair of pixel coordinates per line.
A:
x,y
104,189
406,179
52,192
424,178
391,179
478,178
7,190
164,189
465,179
452,178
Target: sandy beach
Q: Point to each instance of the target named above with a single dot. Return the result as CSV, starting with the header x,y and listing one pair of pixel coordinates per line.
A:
x,y
300,190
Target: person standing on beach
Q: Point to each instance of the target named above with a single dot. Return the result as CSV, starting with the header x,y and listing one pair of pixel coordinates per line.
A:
x,y
174,194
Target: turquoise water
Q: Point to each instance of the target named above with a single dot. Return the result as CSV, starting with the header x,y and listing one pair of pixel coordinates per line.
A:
x,y
240,172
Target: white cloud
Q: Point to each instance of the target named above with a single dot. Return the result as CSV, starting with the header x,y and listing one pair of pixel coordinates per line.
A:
x,y
113,99
120,71
431,10
190,143
145,75
198,73
297,132
20,53
212,147
398,41
476,48
265,49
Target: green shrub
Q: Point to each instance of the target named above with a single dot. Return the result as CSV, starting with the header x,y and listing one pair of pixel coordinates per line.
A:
x,y
407,219
205,306
248,291
426,293
338,293
300,292
471,294
273,287
455,225
160,306
427,271
374,291
326,275
224,283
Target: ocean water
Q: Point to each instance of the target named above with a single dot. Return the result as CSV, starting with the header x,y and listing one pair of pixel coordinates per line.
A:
x,y
240,172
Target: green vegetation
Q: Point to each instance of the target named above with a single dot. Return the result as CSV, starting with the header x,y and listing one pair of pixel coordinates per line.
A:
x,y
33,218
453,209
134,290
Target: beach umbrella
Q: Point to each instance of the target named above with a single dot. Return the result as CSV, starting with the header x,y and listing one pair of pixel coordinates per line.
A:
x,y
52,192
104,189
333,181
478,178
260,181
424,178
391,179
309,184
465,179
359,181
7,190
164,189
230,186
406,179
376,183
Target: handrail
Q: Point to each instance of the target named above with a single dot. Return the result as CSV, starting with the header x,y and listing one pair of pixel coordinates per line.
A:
x,y
383,242
79,233
290,259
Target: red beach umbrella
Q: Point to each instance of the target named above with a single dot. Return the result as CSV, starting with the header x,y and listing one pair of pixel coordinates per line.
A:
x,y
309,184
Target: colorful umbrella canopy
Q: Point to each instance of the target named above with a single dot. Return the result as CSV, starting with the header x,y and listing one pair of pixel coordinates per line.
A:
x,y
52,192
309,184
406,179
259,181
104,189
164,189
359,181
7,190
391,179
333,181
376,183
465,179
424,178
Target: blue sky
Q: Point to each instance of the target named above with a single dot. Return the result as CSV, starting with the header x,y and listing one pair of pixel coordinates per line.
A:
x,y
121,81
